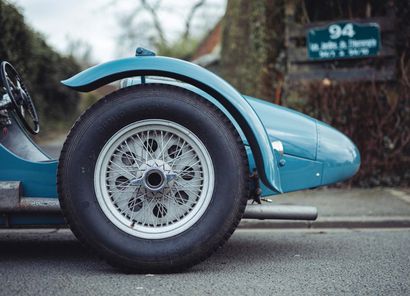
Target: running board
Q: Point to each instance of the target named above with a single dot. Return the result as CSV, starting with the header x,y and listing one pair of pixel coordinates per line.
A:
x,y
11,200
279,212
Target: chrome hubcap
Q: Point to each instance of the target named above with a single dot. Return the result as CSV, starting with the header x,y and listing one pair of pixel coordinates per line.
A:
x,y
156,175
154,179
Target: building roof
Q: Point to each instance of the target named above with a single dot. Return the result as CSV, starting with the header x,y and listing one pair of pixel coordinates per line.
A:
x,y
209,50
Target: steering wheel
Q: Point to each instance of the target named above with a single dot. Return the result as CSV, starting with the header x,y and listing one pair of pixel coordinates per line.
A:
x,y
20,98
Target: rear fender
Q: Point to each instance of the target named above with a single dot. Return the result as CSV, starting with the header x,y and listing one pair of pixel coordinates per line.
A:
x,y
201,78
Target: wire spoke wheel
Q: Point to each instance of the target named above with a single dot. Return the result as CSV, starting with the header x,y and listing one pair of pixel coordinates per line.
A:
x,y
154,179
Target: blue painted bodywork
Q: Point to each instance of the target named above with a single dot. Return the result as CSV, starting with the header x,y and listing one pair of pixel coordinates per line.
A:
x,y
297,131
38,178
201,78
315,154
340,157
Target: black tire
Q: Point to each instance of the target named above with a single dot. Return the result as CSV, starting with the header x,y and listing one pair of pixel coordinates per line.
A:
x,y
76,178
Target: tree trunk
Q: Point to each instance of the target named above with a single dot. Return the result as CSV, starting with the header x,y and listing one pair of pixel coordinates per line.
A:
x,y
252,42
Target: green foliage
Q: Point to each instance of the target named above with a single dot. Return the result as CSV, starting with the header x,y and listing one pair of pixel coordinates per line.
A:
x,y
41,67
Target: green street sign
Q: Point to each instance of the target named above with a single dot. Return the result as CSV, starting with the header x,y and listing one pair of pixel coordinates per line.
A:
x,y
343,40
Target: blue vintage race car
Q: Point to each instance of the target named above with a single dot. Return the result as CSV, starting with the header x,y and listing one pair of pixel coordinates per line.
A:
x,y
157,175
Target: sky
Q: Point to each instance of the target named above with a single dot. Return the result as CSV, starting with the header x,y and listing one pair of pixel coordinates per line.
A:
x,y
96,22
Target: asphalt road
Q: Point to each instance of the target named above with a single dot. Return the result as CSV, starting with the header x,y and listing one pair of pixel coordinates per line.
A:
x,y
253,262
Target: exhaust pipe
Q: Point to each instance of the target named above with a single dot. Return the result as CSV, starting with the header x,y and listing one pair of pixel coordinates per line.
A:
x,y
12,201
33,205
37,205
279,212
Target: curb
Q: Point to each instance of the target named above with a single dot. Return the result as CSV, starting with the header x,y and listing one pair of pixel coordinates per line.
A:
x,y
329,222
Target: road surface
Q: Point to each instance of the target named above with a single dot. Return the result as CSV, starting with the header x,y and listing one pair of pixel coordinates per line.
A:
x,y
253,262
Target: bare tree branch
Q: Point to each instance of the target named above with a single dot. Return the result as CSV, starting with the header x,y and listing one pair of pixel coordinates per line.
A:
x,y
190,16
143,23
157,24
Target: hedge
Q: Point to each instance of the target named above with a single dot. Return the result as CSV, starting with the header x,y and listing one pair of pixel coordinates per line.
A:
x,y
40,65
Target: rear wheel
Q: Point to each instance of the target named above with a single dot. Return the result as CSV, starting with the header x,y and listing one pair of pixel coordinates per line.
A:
x,y
153,178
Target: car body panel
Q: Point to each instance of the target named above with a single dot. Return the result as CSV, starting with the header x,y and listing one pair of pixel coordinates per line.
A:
x,y
22,160
38,178
296,130
315,154
297,173
201,78
340,157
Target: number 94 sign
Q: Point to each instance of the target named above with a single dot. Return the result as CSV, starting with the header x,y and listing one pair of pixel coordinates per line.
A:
x,y
343,40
